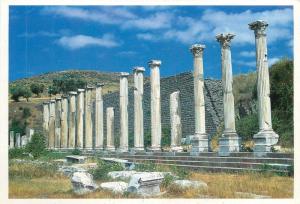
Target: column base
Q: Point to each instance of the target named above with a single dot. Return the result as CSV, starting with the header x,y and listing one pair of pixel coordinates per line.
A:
x,y
176,149
199,143
154,149
136,150
263,141
229,142
110,148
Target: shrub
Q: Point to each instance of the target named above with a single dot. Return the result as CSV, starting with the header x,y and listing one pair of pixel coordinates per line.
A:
x,y
103,168
168,179
76,152
20,91
37,145
17,126
26,113
16,153
247,126
37,88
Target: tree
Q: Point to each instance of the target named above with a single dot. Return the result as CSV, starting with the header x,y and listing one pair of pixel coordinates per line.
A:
x,y
18,92
26,94
37,145
53,90
37,88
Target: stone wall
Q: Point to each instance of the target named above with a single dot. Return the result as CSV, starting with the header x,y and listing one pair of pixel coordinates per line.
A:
x,y
184,83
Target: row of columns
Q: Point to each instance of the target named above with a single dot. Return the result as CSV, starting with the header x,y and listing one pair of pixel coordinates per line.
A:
x,y
229,142
17,141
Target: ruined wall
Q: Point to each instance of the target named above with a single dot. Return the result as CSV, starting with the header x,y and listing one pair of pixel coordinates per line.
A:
x,y
184,83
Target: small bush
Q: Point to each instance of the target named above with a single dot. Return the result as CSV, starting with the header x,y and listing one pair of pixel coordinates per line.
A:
x,y
16,153
103,168
76,152
168,179
26,113
37,145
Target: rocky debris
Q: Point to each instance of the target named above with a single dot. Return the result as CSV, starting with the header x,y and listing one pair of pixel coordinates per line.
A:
x,y
70,170
124,163
86,166
60,161
82,183
116,187
190,184
145,184
122,175
250,195
76,159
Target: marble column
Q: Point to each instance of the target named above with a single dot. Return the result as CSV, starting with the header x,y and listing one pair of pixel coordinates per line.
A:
x,y
155,105
64,123
51,140
110,142
72,119
175,120
138,108
79,118
99,118
88,105
266,137
57,122
11,139
18,140
229,141
46,117
29,133
123,112
200,140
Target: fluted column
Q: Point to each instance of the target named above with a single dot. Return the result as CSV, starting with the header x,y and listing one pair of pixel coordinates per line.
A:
x,y
266,137
79,118
64,123
51,140
46,117
123,112
175,120
72,119
99,118
110,142
229,141
199,140
11,139
57,122
155,105
88,118
138,108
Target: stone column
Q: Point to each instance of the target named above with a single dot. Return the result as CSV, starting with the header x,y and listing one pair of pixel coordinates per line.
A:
x,y
88,118
29,133
110,143
18,140
266,137
229,142
64,123
199,140
57,122
175,120
155,105
11,139
72,119
51,140
123,112
99,118
79,118
138,108
46,117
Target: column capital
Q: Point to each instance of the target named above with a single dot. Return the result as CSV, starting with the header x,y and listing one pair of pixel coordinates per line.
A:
x,y
124,74
138,69
154,63
72,93
64,96
58,99
89,87
80,90
52,101
259,27
100,84
197,49
46,103
225,39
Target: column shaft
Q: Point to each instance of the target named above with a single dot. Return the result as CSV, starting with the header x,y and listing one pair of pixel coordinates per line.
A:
x,y
11,139
110,143
51,140
175,120
18,140
123,112
79,118
57,122
72,120
99,118
88,119
64,123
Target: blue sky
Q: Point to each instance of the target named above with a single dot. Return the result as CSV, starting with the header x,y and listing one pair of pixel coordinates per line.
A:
x,y
103,38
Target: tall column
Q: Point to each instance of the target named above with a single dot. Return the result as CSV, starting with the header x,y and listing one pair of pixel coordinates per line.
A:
x,y
123,112
229,142
199,140
99,118
64,123
88,118
11,139
79,118
266,137
110,142
57,122
51,140
138,108
175,120
46,117
72,119
18,140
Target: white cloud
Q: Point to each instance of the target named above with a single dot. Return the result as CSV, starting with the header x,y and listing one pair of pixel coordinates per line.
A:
x,y
81,41
248,53
146,36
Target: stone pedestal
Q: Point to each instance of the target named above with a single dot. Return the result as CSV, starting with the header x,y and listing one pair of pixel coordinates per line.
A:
x,y
175,120
11,139
99,118
200,140
57,122
229,141
72,119
266,137
51,140
88,118
110,140
155,106
79,118
138,109
64,123
123,112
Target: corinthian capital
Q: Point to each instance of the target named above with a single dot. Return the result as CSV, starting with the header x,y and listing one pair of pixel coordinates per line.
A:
x,y
197,50
259,27
225,39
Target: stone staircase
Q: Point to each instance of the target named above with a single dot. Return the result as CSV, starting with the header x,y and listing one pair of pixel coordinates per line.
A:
x,y
211,162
